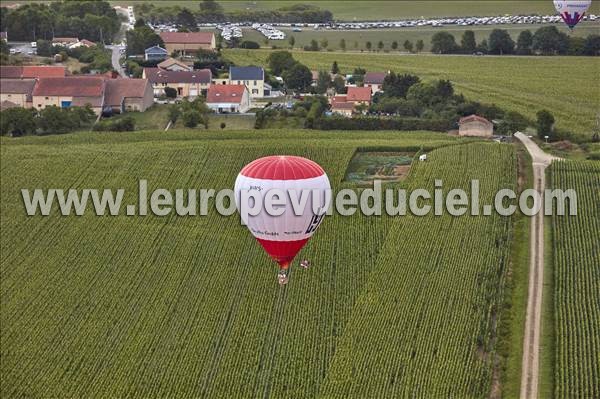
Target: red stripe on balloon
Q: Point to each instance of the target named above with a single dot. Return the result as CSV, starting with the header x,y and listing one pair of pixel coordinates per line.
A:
x,y
282,167
283,252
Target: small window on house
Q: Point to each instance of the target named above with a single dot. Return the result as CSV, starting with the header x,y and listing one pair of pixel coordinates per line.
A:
x,y
46,98
255,83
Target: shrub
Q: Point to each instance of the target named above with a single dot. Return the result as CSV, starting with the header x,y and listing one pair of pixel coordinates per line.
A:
x,y
248,44
170,92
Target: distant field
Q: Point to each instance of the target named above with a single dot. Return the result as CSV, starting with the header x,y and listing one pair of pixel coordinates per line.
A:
x,y
386,10
567,86
356,39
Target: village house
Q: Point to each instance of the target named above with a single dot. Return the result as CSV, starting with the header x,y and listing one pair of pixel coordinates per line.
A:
x,y
187,83
359,95
474,125
64,41
82,43
155,53
188,42
228,98
253,78
17,91
342,108
374,80
69,92
171,64
123,95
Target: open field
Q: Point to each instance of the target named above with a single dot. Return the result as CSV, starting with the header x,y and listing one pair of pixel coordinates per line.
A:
x,y
567,86
152,306
386,10
576,258
356,39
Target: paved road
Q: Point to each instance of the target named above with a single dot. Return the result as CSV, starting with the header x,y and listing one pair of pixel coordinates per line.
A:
x,y
116,55
531,343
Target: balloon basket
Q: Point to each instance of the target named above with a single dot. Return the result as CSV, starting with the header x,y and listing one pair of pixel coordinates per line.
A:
x,y
283,277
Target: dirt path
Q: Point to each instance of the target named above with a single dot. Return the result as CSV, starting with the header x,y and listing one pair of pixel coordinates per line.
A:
x,y
531,344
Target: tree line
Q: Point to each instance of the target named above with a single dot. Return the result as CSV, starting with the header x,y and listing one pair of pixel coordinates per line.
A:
x,y
547,40
210,11
94,20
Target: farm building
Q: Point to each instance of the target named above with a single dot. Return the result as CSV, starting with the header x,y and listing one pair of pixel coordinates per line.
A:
x,y
359,95
128,95
342,108
187,83
17,91
374,80
155,53
69,91
32,71
228,98
188,42
474,125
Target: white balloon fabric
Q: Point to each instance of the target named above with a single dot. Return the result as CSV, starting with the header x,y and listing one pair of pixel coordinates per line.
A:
x,y
572,12
298,181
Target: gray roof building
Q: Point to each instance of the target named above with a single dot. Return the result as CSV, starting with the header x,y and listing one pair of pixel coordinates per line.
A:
x,y
246,73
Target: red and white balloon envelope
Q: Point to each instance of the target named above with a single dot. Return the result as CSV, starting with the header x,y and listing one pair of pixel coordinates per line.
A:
x,y
572,12
282,223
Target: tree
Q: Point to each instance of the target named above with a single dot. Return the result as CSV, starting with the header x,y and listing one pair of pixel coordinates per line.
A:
x,y
444,88
174,113
334,68
210,11
314,45
500,42
443,43
191,118
592,45
423,94
549,40
576,45
369,45
524,42
483,47
398,85
170,92
323,82
223,125
292,41
468,44
4,47
298,78
44,48
249,44
139,23
17,122
324,43
280,61
343,44
139,39
339,85
380,45
394,45
420,45
545,123
408,46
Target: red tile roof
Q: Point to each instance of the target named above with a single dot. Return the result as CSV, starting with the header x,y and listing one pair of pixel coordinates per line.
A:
x,y
342,105
70,87
87,43
473,118
44,71
339,99
359,94
17,86
11,72
225,93
187,37
118,89
374,77
157,75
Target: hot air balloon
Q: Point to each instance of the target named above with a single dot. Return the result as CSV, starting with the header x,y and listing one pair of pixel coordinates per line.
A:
x,y
572,11
282,236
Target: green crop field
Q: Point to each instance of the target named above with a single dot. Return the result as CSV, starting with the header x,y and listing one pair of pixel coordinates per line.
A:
x,y
567,86
577,283
123,306
387,10
357,39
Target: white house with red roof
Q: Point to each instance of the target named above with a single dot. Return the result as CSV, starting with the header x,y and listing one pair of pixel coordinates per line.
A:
x,y
228,98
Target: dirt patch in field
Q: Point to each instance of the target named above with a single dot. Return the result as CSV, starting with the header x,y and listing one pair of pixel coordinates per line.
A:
x,y
366,167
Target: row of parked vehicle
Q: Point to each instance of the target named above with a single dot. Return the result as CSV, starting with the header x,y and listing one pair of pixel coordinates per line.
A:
x,y
230,31
269,31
